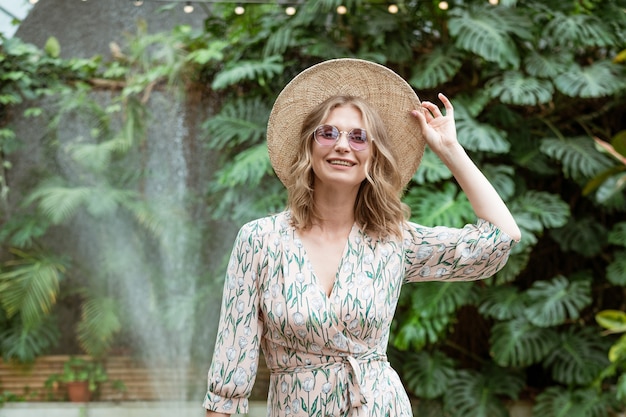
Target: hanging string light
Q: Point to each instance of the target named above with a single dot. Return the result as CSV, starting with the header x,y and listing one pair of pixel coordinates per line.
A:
x,y
188,7
443,5
239,10
342,9
392,8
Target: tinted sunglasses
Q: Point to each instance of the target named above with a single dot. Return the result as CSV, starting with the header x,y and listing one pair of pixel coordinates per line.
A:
x,y
327,135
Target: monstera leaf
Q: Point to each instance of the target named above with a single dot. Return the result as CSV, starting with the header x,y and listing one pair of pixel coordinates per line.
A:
x,y
501,303
518,342
580,358
478,394
436,68
515,88
428,374
556,401
553,302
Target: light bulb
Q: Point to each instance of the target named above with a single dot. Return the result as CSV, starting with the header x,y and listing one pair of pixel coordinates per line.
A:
x,y
138,3
393,8
494,2
443,5
240,10
342,9
33,1
188,7
290,11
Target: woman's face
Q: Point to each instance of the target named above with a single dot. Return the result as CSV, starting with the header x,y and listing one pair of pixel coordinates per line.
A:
x,y
338,164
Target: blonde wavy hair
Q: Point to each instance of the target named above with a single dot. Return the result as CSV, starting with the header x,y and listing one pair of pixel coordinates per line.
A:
x,y
378,209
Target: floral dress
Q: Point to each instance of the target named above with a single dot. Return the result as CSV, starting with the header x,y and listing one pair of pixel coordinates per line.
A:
x,y
326,354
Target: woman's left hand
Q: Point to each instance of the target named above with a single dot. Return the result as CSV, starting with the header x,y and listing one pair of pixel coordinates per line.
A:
x,y
438,130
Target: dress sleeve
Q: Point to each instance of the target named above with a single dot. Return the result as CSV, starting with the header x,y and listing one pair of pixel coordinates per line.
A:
x,y
474,252
235,359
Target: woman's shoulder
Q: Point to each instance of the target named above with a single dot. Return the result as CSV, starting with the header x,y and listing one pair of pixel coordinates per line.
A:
x,y
264,226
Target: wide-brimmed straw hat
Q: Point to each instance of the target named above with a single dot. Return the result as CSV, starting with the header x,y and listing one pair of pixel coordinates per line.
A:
x,y
383,89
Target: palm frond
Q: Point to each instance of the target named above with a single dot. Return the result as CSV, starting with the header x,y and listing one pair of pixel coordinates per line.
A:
x,y
242,121
432,207
435,68
427,374
29,285
519,343
580,358
585,236
553,302
576,30
600,79
57,201
514,88
578,156
248,168
240,71
487,33
98,325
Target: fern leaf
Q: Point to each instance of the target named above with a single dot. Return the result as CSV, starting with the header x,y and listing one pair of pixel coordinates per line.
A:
x,y
240,71
585,236
487,33
435,68
576,30
427,374
431,169
561,402
519,343
617,235
248,168
477,136
241,122
580,358
547,65
514,88
433,207
616,270
57,201
578,156
501,303
600,79
542,208
553,302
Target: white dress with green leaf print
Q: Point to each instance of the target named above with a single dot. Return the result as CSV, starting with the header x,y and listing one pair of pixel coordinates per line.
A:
x,y
326,354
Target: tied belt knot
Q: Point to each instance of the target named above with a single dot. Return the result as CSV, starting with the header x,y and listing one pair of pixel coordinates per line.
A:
x,y
354,373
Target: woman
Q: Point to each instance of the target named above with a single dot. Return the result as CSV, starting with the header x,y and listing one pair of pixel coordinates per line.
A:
x,y
316,286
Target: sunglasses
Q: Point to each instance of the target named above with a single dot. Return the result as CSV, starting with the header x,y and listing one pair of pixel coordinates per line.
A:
x,y
327,135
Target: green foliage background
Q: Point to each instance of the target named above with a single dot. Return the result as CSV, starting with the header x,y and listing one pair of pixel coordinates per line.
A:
x,y
533,83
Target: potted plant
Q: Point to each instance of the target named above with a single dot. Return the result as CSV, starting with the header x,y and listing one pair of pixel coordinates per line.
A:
x,y
81,377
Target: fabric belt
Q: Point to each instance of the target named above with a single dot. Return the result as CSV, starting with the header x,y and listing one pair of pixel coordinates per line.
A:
x,y
354,376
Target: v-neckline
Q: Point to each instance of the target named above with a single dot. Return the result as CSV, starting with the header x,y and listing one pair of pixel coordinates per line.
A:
x,y
314,277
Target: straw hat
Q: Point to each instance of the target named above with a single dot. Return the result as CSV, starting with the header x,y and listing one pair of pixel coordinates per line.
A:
x,y
382,88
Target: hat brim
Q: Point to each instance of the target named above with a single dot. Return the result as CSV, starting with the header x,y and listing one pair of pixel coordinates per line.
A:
x,y
388,93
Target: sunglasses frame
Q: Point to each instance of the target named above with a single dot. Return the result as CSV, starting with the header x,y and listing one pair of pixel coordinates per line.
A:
x,y
348,136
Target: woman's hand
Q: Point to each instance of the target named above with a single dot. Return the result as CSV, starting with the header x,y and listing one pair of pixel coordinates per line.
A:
x,y
438,130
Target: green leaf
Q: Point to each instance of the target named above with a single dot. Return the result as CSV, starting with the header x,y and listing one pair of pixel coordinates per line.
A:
x,y
432,207
617,235
474,394
617,352
600,79
476,136
514,88
578,156
616,270
487,33
613,320
501,177
576,30
427,374
248,168
53,47
580,358
585,236
548,210
547,65
239,71
519,343
556,401
553,302
25,343
431,169
501,302
98,325
437,67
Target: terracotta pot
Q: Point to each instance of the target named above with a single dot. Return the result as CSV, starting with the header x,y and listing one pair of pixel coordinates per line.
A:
x,y
78,392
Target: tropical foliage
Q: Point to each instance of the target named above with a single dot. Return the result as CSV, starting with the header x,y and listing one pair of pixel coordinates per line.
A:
x,y
539,91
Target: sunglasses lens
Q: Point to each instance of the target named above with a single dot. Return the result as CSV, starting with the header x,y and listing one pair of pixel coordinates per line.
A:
x,y
326,135
358,139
